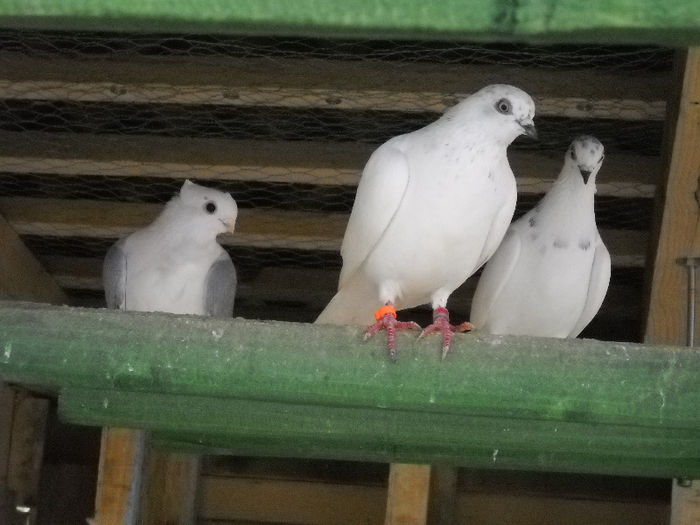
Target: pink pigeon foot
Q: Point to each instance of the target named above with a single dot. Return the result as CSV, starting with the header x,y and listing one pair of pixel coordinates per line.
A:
x,y
441,323
386,320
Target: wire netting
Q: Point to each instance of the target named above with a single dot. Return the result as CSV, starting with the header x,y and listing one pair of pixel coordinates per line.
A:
x,y
286,125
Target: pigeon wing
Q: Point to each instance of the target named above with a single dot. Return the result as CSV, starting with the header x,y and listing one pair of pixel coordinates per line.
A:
x,y
494,278
114,276
379,195
597,287
220,287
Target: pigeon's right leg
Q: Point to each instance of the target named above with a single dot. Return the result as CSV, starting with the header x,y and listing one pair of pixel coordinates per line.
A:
x,y
386,320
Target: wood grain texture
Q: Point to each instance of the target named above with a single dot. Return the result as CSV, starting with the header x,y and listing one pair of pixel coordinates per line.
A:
x,y
257,227
318,163
29,420
22,277
170,495
407,498
685,503
677,233
119,477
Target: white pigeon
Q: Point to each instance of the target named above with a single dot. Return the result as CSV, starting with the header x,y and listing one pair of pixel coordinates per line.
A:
x,y
550,275
175,264
430,209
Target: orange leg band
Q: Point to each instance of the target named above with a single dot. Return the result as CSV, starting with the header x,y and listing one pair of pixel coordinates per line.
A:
x,y
384,310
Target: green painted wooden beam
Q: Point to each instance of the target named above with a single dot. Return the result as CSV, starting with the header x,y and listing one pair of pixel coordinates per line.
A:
x,y
583,381
603,21
270,388
264,428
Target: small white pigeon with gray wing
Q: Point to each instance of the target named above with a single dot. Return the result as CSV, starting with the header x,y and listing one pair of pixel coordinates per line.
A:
x,y
175,264
550,274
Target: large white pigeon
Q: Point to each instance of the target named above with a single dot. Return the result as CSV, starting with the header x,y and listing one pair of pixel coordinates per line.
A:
x,y
430,209
550,274
175,264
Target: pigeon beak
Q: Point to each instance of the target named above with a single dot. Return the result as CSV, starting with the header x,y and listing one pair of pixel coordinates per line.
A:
x,y
529,130
585,174
229,225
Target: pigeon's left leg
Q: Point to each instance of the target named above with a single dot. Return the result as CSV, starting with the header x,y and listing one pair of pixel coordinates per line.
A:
x,y
441,323
386,320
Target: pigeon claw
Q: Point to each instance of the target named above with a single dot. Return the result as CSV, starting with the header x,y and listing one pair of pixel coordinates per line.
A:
x,y
388,322
441,323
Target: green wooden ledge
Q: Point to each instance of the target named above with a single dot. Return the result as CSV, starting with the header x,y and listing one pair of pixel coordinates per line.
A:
x,y
287,389
602,21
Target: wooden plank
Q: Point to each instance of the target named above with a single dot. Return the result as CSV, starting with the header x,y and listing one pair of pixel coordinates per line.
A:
x,y
289,501
685,502
306,98
256,227
170,496
677,232
541,509
27,451
299,501
623,175
119,477
550,377
442,502
677,235
22,277
319,83
407,499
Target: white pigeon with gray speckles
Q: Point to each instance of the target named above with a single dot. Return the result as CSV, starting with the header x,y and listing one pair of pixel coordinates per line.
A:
x,y
551,273
431,207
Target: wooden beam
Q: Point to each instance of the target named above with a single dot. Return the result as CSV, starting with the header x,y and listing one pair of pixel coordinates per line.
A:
x,y
261,500
119,477
407,500
22,277
171,482
572,405
677,231
315,83
264,500
29,420
685,502
309,98
261,228
7,406
406,19
318,163
677,235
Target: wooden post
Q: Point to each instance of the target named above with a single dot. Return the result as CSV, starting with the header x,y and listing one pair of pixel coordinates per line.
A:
x,y
678,234
442,506
119,477
21,451
407,501
7,403
685,503
22,277
170,493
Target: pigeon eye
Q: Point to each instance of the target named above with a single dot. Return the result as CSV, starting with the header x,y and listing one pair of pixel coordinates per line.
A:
x,y
210,207
503,106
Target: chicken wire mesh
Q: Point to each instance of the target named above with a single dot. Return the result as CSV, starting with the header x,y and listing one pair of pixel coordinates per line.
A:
x,y
98,130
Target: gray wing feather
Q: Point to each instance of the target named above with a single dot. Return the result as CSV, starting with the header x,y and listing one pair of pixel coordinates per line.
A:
x,y
220,287
597,287
114,275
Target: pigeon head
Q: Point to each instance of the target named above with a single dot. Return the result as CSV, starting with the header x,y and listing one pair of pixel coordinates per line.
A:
x,y
207,208
587,154
503,111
